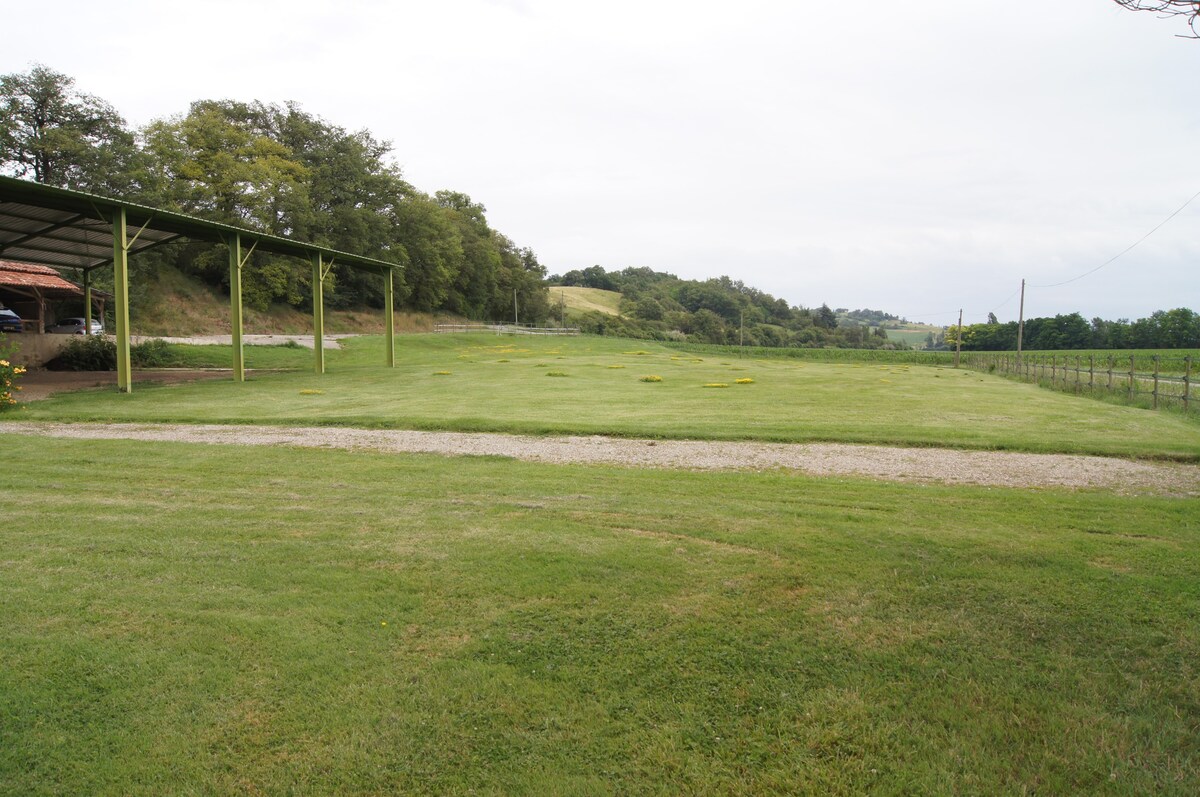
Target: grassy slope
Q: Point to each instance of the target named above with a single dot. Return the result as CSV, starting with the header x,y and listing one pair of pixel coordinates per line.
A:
x,y
307,621
914,335
502,384
179,305
579,300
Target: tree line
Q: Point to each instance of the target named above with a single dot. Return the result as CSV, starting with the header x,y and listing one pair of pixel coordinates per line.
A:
x,y
1163,329
277,169
660,306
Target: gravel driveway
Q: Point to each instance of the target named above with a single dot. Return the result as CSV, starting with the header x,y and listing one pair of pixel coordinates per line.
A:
x,y
992,468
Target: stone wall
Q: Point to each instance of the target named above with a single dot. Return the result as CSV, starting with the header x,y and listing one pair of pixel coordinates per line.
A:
x,y
33,350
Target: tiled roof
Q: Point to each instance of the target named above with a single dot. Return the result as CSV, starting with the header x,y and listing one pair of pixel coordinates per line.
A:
x,y
27,275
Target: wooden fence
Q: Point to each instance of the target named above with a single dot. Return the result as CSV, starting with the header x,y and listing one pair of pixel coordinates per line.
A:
x,y
1157,380
505,329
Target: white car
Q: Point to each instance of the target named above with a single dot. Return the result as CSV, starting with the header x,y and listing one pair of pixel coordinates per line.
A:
x,y
75,326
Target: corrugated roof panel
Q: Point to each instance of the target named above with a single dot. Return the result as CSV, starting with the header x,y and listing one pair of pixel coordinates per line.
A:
x,y
72,229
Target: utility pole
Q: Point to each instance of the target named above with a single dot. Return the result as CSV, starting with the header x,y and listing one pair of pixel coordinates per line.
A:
x,y
516,321
742,334
958,339
562,309
1021,325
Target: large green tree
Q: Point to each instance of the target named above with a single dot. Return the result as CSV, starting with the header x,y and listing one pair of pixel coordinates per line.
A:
x,y
60,136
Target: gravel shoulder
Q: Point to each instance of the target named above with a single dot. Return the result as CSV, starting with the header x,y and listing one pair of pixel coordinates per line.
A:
x,y
929,465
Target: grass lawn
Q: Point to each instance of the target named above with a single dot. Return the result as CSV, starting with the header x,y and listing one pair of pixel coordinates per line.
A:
x,y
593,386
183,619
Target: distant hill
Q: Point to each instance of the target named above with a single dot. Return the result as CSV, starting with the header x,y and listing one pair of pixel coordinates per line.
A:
x,y
643,303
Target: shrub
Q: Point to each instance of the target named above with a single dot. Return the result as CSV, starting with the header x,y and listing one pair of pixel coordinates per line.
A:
x,y
153,353
86,353
8,381
651,378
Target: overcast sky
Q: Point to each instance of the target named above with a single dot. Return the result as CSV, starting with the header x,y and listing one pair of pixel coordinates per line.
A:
x,y
912,157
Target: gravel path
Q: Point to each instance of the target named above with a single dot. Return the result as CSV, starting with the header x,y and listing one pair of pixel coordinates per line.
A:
x,y
993,468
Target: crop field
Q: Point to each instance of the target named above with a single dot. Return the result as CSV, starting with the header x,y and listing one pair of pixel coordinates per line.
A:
x,y
180,618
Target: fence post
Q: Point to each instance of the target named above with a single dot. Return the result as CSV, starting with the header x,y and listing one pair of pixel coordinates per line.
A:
x,y
1187,381
1091,371
1110,370
1132,389
1053,369
1156,381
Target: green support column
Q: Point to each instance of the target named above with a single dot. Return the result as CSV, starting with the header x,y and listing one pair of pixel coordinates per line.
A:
x,y
235,306
121,300
87,300
319,312
390,317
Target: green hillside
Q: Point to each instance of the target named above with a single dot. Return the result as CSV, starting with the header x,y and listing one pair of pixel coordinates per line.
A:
x,y
578,300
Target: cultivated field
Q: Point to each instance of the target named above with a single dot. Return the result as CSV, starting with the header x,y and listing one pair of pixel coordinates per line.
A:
x,y
181,618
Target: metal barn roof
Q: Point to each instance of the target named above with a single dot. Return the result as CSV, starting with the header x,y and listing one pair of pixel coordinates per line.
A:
x,y
73,229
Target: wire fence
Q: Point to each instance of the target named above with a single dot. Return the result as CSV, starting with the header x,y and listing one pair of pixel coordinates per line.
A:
x,y
506,329
1154,381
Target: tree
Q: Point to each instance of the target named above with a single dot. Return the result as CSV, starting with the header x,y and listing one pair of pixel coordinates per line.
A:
x,y
992,319
212,164
60,136
825,318
1168,8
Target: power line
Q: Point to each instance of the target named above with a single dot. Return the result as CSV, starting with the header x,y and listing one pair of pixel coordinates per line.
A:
x,y
1124,251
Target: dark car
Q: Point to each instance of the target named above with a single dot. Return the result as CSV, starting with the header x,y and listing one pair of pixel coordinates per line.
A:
x,y
10,321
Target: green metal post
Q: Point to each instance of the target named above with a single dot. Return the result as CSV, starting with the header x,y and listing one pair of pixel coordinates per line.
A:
x,y
235,306
121,300
318,312
87,300
390,317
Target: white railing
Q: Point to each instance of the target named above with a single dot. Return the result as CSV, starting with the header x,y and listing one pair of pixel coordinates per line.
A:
x,y
506,329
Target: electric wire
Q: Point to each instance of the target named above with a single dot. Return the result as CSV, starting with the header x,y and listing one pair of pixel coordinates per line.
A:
x,y
1112,259
1126,250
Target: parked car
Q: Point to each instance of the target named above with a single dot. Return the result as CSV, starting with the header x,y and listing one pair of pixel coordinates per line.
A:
x,y
10,321
75,326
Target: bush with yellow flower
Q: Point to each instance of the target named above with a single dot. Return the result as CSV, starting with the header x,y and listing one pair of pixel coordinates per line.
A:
x,y
8,382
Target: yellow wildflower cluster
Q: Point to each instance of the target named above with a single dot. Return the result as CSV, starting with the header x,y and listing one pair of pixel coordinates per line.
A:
x,y
8,376
745,380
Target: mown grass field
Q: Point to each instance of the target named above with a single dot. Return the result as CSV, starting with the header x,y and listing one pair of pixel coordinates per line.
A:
x,y
186,619
593,386
189,619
